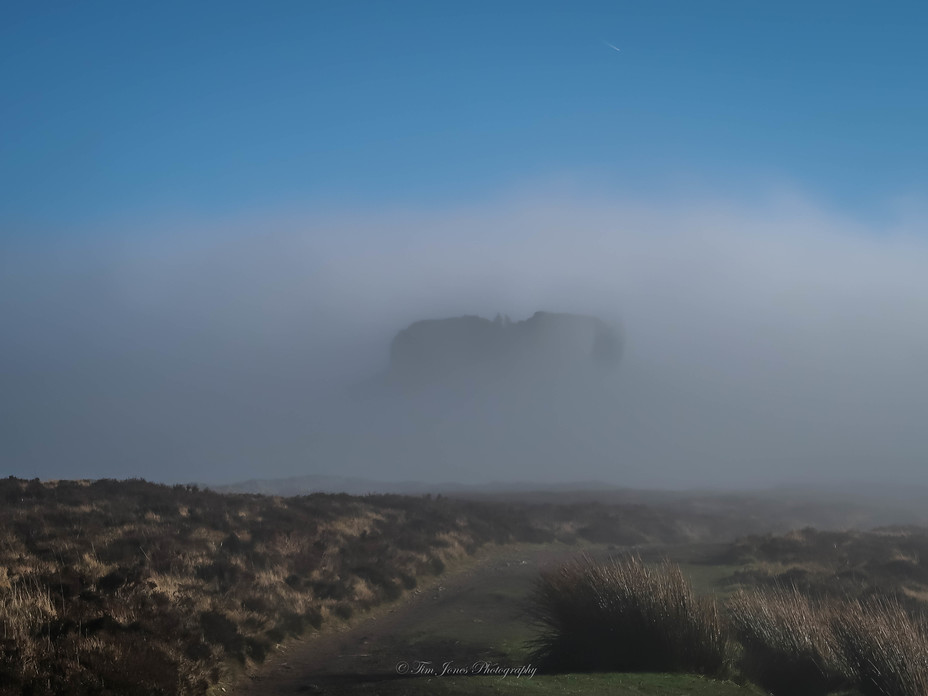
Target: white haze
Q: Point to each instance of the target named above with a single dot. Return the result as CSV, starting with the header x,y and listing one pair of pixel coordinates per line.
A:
x,y
770,342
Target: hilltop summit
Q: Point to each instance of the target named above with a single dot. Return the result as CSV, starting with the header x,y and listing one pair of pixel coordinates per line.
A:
x,y
466,346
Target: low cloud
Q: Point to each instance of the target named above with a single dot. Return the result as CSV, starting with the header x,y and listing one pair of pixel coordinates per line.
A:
x,y
768,342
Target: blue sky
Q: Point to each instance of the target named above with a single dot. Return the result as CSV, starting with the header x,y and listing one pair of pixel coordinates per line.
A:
x,y
213,212
115,113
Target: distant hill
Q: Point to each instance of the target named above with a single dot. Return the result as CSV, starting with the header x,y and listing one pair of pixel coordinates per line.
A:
x,y
304,485
471,346
785,507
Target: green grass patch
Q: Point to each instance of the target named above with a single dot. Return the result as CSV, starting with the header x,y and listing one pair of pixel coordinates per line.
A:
x,y
644,684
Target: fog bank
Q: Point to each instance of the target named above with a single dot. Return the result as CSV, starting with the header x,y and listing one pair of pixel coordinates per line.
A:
x,y
766,342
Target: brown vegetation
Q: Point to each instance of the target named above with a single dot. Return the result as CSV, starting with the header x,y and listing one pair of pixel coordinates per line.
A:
x,y
622,615
793,644
819,609
824,608
127,587
886,561
788,645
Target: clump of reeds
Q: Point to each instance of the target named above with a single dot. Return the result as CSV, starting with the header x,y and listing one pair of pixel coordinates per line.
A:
x,y
796,645
788,646
623,615
885,647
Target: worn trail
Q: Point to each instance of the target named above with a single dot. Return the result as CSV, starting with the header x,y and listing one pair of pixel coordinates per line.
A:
x,y
472,615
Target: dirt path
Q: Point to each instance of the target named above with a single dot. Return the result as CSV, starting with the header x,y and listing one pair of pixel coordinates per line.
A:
x,y
466,615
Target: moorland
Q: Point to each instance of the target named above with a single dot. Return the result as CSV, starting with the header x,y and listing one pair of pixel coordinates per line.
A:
x,y
131,587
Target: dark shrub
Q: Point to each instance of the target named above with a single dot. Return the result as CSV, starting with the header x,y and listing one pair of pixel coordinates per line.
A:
x,y
314,618
219,629
257,603
135,667
221,571
197,650
257,648
233,544
624,616
292,623
378,576
329,590
100,623
113,580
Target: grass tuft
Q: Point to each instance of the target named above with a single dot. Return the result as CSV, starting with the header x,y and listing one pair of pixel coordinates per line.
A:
x,y
624,616
787,641
796,645
886,648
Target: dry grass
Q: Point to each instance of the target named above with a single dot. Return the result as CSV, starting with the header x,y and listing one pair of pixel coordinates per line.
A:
x,y
885,647
623,615
788,644
128,587
833,609
796,645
